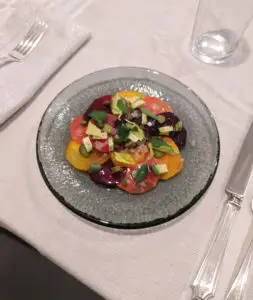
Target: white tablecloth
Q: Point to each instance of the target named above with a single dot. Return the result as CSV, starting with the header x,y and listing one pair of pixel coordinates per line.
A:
x,y
153,264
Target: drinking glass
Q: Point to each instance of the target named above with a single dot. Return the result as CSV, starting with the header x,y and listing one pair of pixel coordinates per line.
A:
x,y
218,29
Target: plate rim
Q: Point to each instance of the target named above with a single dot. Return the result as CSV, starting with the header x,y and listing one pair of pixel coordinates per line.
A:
x,y
128,226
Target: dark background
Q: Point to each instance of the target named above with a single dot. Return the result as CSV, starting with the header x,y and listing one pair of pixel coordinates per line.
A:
x,y
25,274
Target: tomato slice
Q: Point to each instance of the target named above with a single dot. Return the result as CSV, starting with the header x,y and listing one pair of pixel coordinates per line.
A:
x,y
111,120
81,162
77,131
101,145
156,105
131,186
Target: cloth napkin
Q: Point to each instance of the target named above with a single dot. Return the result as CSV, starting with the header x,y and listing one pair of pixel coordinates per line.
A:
x,y
19,82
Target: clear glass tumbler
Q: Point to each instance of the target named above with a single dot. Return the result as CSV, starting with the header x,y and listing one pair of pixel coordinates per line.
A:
x,y
218,29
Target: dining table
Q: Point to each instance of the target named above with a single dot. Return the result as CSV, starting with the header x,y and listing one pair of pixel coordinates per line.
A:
x,y
153,263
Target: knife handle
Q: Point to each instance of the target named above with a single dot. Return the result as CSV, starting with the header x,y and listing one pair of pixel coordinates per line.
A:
x,y
237,288
204,284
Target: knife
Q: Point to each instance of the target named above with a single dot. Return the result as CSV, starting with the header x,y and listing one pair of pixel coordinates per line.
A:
x,y
205,282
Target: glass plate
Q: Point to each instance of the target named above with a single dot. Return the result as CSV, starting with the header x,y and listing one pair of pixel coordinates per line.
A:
x,y
113,207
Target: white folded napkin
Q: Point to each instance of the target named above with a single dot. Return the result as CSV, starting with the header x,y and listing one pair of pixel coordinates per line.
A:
x,y
20,81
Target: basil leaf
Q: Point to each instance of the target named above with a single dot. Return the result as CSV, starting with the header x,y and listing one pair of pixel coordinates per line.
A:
x,y
158,142
122,106
166,149
141,173
123,133
98,116
162,146
149,113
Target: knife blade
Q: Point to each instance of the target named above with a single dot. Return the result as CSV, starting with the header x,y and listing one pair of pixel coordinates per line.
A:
x,y
205,282
242,169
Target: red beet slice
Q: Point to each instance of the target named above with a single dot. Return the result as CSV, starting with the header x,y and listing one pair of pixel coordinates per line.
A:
x,y
99,104
106,177
180,138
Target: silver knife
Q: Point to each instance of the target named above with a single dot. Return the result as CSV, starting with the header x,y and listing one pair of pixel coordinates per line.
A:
x,y
205,282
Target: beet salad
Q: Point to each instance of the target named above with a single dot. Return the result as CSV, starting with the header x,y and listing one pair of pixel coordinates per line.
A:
x,y
127,140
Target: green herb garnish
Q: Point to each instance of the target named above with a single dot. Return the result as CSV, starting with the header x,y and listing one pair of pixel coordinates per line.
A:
x,y
99,116
158,143
149,113
141,173
122,106
123,133
162,146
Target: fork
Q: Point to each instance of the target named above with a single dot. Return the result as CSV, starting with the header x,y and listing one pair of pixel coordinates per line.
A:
x,y
239,284
236,290
27,45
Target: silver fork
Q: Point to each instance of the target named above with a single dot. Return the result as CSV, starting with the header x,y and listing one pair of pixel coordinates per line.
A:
x,y
237,288
26,46
240,282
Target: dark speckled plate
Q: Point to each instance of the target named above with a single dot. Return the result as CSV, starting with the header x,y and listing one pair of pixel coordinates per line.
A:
x,y
113,207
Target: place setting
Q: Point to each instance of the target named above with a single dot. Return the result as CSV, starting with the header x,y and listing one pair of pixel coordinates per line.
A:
x,y
124,152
